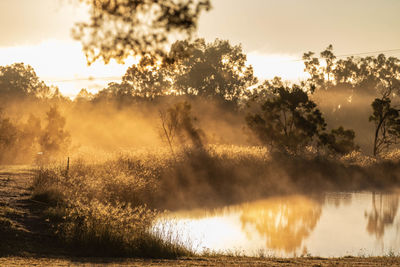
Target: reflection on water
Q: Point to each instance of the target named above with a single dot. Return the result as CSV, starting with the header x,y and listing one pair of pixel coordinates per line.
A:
x,y
283,222
382,214
335,224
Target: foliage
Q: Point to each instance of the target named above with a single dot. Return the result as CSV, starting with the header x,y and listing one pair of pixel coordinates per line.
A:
x,y
120,28
54,138
346,87
177,122
147,79
8,136
377,75
20,80
103,209
387,124
339,141
215,70
18,141
289,120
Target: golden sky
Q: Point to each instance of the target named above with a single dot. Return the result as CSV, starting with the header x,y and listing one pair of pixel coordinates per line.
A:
x,y
274,33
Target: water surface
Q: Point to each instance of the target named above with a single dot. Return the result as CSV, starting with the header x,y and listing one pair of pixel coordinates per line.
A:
x,y
336,224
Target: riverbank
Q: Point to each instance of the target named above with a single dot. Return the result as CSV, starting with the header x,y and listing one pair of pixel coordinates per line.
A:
x,y
27,237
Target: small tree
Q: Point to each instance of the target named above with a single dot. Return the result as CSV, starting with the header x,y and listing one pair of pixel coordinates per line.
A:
x,y
387,124
339,141
54,139
289,120
8,137
177,123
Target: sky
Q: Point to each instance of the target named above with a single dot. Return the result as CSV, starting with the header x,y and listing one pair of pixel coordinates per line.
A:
x,y
274,35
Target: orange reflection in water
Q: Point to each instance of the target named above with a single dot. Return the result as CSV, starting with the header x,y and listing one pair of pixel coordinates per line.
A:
x,y
295,225
284,222
281,223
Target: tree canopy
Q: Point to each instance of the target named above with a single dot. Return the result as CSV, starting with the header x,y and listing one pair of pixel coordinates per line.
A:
x,y
289,120
20,80
215,70
374,75
121,28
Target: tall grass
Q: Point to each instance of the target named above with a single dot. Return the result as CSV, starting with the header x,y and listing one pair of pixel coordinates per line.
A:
x,y
109,206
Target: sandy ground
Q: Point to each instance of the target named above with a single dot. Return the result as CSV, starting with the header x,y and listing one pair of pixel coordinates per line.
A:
x,y
25,239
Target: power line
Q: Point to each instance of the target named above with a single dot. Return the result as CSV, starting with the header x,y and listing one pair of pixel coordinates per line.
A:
x,y
358,54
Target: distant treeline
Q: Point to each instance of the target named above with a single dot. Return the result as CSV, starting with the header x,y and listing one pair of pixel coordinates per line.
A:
x,y
344,105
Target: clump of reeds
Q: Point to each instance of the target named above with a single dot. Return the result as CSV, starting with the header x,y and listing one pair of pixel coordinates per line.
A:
x,y
101,208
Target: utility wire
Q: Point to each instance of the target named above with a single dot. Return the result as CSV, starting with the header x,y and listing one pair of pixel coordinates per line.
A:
x,y
358,54
294,60
86,79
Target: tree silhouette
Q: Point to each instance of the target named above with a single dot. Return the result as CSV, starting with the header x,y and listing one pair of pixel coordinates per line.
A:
x,y
20,80
215,70
54,139
346,87
289,120
387,124
120,28
8,137
178,124
377,75
147,79
339,141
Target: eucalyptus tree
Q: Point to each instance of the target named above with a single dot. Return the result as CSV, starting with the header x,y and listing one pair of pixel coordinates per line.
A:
x,y
117,29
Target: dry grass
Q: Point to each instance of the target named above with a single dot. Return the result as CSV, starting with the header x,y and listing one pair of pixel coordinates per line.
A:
x,y
108,206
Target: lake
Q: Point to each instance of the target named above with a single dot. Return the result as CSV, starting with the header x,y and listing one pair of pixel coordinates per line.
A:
x,y
332,225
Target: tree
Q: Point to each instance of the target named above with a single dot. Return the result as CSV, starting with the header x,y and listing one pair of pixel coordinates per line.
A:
x,y
54,139
346,87
178,124
27,145
20,80
339,141
288,121
120,28
8,137
387,124
377,75
147,79
214,70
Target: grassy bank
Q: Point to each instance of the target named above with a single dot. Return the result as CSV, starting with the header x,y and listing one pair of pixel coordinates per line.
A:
x,y
106,207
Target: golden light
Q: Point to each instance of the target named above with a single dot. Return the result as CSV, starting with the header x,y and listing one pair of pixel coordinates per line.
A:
x,y
268,66
62,63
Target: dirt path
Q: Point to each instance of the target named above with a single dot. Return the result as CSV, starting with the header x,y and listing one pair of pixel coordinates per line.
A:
x,y
23,231
25,238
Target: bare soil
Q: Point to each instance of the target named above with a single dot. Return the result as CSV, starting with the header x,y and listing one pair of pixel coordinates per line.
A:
x,y
213,261
26,238
23,231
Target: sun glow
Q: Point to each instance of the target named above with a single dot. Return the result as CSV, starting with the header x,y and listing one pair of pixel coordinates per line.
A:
x,y
268,66
63,64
